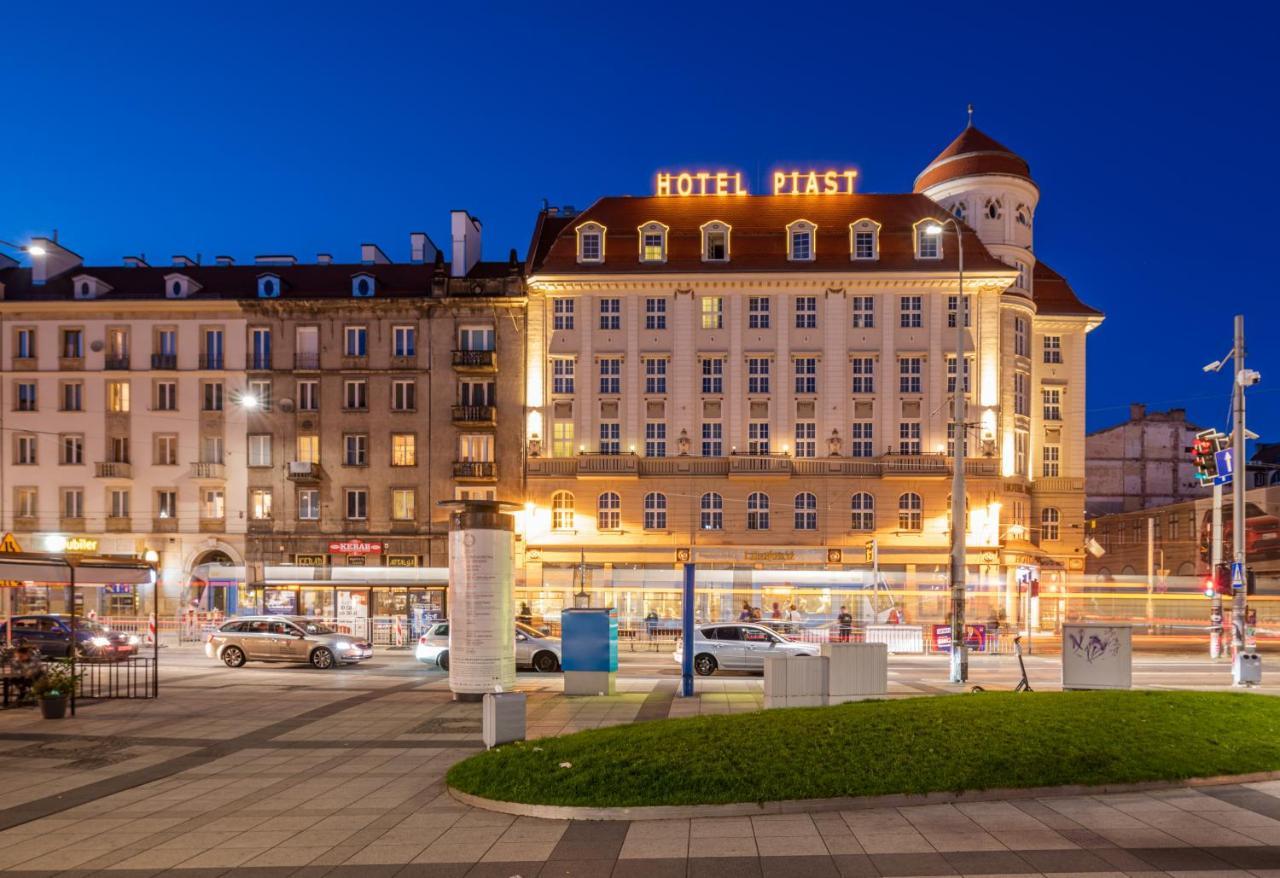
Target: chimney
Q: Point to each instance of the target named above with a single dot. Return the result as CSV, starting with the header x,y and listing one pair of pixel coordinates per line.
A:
x,y
421,248
224,261
53,260
1137,411
183,261
324,259
280,259
138,261
371,254
1178,414
466,243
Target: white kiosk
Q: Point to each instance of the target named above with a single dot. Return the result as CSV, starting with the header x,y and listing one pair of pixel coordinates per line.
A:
x,y
482,648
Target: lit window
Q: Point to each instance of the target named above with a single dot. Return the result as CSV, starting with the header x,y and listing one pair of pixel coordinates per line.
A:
x,y
757,511
308,448
653,242
404,449
562,439
609,511
260,504
712,312
806,511
404,503
118,396
213,504
562,511
655,511
863,509
910,512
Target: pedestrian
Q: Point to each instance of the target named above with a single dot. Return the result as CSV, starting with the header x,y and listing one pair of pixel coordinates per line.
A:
x,y
756,615
26,667
795,619
746,614
651,623
525,616
845,621
777,611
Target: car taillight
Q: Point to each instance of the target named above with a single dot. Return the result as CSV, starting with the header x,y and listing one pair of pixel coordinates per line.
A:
x,y
423,640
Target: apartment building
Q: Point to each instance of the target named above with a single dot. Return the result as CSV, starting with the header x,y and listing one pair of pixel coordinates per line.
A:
x,y
762,384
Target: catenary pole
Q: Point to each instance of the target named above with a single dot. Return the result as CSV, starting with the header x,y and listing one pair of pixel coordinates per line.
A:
x,y
959,500
1215,558
1238,479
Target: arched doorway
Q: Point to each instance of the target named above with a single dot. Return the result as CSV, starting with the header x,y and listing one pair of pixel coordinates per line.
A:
x,y
213,583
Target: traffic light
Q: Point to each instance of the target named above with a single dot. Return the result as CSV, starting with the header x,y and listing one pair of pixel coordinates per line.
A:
x,y
1202,450
1222,579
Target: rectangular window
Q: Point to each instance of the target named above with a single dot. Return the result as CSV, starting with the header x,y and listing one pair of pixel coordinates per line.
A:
x,y
712,312
1021,398
655,375
758,312
562,439
403,504
25,396
652,246
864,312
477,393
357,504
806,374
24,449
166,503
118,396
911,312
861,443
355,449
1052,397
211,449
610,438
562,369
356,394
590,246
713,375
562,313
655,439
655,313
864,374
118,499
757,375
167,346
951,441
259,390
806,439
909,375
71,449
806,312
356,341
73,344
951,374
260,348
165,449
404,341
404,395
308,448
1053,349
717,246
758,437
118,450
477,338
308,396
211,399
611,376
802,245
712,440
309,504
864,245
212,349
1051,454
73,396
73,503
260,504
908,437
1020,346
1021,442
610,313
926,243
24,344
166,396
259,449
951,311
404,449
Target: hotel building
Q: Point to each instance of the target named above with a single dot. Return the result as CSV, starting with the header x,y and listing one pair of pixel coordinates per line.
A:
x,y
762,384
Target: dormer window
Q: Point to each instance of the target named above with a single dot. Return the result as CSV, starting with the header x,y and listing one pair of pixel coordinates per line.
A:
x,y
268,286
179,286
994,209
653,242
86,286
864,240
362,286
959,211
715,241
591,242
800,241
928,239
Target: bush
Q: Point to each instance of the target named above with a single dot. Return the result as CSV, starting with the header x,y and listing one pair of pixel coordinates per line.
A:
x,y
57,681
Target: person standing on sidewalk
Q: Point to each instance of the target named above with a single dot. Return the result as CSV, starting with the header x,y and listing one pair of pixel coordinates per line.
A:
x,y
845,621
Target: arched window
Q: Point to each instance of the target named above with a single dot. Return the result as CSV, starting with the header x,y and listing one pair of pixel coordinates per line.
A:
x,y
863,507
758,511
806,508
653,242
562,511
1050,522
800,240
960,211
591,242
994,208
609,511
864,239
910,512
1022,214
655,511
712,506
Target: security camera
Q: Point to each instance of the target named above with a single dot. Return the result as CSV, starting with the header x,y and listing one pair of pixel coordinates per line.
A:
x,y
1214,366
1248,377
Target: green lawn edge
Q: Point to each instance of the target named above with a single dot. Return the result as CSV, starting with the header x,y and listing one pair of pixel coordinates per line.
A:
x,y
914,745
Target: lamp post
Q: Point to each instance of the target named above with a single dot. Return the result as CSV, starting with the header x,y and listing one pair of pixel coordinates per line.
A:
x,y
959,506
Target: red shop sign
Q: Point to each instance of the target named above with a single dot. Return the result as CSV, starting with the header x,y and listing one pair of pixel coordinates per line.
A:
x,y
354,547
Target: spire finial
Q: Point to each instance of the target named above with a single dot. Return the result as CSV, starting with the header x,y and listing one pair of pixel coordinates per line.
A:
x,y
970,125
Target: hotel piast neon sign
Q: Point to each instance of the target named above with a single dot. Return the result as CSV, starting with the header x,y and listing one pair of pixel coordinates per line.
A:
x,y
687,184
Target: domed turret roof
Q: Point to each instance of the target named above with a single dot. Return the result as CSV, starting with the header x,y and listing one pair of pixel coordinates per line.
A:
x,y
971,154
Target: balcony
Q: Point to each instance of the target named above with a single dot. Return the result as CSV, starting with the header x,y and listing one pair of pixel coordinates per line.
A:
x,y
206,470
304,471
165,525
756,465
70,364
116,363
164,361
260,362
24,364
475,415
915,465
260,525
212,361
608,465
1065,484
475,470
475,361
112,469
212,525
119,524
307,361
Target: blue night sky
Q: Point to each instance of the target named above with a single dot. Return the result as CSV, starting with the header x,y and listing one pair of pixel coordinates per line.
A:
x,y
271,127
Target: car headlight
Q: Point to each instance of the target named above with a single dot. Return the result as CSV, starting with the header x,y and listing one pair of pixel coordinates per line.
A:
x,y
99,641
343,645
134,640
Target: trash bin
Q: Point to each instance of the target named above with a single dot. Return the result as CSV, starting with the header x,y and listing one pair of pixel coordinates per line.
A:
x,y
1246,670
502,718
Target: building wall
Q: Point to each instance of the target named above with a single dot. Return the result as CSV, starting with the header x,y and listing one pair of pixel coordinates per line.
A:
x,y
1142,463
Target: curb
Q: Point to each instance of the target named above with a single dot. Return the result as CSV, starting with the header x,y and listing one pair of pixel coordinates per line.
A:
x,y
840,803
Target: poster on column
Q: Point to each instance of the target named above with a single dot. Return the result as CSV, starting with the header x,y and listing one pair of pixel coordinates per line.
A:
x,y
482,649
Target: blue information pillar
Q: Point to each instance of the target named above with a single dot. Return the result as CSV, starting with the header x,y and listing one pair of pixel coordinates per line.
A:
x,y
589,640
687,638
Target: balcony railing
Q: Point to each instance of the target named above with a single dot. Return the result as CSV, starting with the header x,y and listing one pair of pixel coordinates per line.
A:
x,y
113,469
470,415
260,362
475,470
212,361
759,464
116,362
303,471
164,361
309,361
475,361
754,465
206,470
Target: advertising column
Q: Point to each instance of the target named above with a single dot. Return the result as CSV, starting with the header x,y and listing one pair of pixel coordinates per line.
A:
x,y
482,648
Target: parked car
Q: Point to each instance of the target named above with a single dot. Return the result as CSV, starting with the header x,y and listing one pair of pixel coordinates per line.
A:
x,y
738,646
534,649
284,639
51,634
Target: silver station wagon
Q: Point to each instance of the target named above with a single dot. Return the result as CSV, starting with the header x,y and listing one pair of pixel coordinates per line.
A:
x,y
284,639
738,646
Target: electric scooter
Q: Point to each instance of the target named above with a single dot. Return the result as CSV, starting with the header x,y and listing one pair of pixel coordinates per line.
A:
x,y
1023,684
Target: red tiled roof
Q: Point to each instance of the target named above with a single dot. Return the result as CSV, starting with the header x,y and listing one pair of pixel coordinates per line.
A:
x,y
758,240
1053,295
972,153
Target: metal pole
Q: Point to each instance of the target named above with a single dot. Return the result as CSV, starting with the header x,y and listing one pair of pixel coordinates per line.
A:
x,y
686,612
1151,573
959,506
1238,479
1215,558
71,652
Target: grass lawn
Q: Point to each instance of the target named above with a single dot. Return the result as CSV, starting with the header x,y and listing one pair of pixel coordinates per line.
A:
x,y
917,745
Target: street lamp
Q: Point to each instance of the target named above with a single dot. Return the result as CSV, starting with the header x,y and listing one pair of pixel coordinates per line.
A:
x,y
29,249
959,654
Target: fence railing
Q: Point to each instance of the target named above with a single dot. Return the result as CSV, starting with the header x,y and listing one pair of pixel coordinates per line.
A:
x,y
135,677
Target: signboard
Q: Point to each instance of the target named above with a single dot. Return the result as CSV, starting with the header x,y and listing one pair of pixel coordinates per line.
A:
x,y
354,547
9,544
1225,461
402,561
482,649
82,545
975,637
310,560
694,183
280,601
814,182
1096,656
1237,575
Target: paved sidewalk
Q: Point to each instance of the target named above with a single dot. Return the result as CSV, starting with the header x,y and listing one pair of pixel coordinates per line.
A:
x,y
272,771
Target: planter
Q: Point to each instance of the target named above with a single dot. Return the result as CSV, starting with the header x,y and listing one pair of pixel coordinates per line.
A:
x,y
53,708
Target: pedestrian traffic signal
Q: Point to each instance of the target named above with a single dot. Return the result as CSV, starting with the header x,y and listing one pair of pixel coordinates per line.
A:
x,y
1202,450
1222,579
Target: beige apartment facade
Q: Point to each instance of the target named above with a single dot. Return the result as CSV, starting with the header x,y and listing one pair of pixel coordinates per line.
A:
x,y
762,384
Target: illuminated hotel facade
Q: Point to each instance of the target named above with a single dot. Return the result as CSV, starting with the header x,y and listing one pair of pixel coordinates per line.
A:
x,y
762,384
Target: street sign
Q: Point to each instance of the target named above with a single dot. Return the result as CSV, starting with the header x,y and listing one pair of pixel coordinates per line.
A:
x,y
1225,462
1237,575
9,544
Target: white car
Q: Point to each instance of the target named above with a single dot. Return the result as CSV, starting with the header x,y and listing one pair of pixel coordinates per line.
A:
x,y
738,646
533,648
